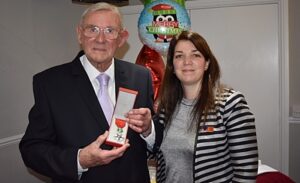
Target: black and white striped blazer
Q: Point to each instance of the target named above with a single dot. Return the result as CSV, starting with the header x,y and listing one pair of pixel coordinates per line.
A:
x,y
226,149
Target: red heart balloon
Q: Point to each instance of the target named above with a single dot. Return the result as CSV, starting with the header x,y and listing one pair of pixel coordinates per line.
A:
x,y
154,62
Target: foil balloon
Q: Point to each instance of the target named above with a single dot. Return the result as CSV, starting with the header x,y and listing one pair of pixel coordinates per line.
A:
x,y
160,21
154,62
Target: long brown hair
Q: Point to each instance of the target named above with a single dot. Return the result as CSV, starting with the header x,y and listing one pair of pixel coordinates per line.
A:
x,y
172,92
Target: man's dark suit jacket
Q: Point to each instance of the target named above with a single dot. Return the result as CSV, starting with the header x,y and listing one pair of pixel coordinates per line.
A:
x,y
67,116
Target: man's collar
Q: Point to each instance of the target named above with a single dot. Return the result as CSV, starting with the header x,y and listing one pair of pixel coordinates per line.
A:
x,y
93,72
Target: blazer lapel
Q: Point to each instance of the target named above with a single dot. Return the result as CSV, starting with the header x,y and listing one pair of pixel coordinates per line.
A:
x,y
121,76
87,93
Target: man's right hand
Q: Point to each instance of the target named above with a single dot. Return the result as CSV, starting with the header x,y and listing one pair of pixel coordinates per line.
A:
x,y
92,155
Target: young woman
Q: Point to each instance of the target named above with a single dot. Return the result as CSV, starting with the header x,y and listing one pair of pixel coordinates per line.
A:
x,y
209,131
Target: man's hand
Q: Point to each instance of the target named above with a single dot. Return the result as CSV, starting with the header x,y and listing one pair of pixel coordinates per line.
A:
x,y
92,155
140,120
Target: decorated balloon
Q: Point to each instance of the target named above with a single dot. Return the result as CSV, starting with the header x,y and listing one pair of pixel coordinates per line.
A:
x,y
160,21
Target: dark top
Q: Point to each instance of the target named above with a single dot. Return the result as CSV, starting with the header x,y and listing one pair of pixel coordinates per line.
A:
x,y
67,116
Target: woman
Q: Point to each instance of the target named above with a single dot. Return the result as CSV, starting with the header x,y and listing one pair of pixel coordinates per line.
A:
x,y
209,130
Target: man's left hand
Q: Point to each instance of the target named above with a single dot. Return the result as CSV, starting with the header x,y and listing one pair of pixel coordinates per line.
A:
x,y
139,120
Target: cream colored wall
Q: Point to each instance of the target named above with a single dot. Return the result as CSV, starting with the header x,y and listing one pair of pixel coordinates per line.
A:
x,y
294,27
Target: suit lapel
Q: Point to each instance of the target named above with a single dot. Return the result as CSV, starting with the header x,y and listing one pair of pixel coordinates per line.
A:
x,y
87,93
121,76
